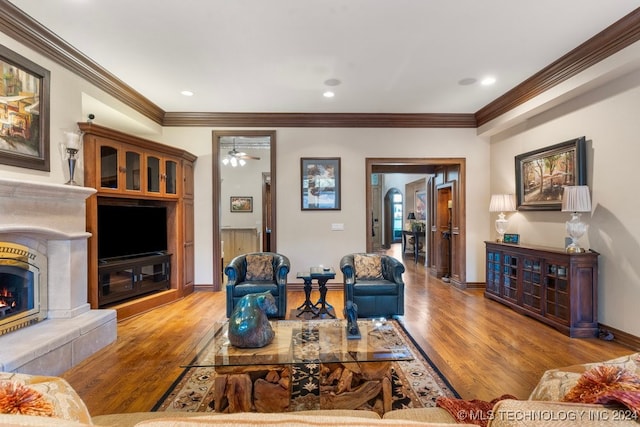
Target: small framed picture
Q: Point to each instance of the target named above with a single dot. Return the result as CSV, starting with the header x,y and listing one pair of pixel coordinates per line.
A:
x,y
241,204
514,239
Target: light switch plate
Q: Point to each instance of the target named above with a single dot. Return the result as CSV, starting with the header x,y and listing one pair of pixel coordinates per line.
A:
x,y
337,227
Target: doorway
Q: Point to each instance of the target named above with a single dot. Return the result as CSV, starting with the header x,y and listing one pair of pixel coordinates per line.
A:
x,y
445,171
394,217
265,195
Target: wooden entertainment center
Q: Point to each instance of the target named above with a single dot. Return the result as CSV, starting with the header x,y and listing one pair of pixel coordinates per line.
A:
x,y
127,170
548,284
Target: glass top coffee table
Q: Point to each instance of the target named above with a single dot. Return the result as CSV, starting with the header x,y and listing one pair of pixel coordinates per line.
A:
x,y
304,341
260,379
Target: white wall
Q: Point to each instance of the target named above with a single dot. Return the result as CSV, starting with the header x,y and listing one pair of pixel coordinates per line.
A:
x,y
243,181
608,118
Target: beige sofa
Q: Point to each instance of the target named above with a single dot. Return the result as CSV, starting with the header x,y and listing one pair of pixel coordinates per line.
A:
x,y
541,409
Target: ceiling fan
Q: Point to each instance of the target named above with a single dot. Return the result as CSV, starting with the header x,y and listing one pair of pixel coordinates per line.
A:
x,y
235,157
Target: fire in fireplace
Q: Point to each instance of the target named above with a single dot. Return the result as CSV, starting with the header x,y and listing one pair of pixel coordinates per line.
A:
x,y
22,301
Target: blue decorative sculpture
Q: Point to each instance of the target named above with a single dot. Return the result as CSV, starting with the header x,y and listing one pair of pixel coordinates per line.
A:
x,y
351,314
249,326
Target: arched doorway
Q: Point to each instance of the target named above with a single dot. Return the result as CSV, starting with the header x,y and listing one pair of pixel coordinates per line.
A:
x,y
393,217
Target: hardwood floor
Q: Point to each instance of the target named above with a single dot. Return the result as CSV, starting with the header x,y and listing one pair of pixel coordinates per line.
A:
x,y
484,348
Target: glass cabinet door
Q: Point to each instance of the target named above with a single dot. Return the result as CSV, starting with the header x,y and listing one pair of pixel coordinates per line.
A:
x,y
108,167
532,284
510,277
557,291
170,177
153,174
493,272
133,166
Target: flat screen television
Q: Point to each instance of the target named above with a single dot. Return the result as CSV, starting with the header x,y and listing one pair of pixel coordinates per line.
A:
x,y
131,230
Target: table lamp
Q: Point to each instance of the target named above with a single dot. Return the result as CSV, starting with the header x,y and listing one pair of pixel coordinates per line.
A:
x,y
411,220
576,199
502,203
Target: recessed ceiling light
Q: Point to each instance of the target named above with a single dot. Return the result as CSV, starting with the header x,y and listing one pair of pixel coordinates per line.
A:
x,y
332,82
487,81
187,93
467,81
328,94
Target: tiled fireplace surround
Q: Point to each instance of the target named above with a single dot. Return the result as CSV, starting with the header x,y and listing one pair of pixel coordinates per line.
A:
x,y
51,219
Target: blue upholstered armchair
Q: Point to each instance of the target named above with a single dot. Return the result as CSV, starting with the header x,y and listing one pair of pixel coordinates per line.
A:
x,y
258,272
374,283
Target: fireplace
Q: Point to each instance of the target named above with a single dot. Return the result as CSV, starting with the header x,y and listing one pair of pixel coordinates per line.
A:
x,y
23,296
46,323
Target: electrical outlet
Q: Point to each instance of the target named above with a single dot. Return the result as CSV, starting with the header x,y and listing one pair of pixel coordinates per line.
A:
x,y
337,227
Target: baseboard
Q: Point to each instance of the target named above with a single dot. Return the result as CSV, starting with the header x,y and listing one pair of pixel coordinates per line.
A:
x,y
476,285
622,337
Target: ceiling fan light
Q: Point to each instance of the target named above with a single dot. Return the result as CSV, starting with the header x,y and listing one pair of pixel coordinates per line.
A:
x,y
242,162
234,162
225,161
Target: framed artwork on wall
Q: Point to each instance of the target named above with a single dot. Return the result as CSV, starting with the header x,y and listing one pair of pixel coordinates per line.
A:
x,y
542,174
24,112
320,183
241,203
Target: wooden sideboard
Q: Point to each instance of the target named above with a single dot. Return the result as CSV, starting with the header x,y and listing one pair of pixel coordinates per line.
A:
x,y
125,169
548,284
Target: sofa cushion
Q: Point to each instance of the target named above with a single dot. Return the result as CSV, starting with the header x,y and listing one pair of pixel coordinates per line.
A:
x,y
373,288
257,287
131,419
368,267
259,267
290,419
35,421
556,383
525,413
433,415
65,401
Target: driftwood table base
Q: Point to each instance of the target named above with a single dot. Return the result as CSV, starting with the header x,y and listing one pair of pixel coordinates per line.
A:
x,y
342,386
352,373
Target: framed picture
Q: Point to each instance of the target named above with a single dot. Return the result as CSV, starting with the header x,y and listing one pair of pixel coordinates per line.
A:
x,y
511,238
24,112
541,174
320,183
241,204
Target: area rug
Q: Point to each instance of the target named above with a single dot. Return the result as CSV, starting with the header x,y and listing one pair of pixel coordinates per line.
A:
x,y
416,383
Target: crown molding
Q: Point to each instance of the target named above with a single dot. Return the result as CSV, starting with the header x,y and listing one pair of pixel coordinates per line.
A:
x,y
21,27
612,39
346,120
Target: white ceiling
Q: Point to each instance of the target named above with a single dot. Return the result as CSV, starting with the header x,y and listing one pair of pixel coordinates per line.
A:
x,y
400,56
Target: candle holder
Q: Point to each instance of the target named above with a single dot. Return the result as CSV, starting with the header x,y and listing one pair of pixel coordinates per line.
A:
x,y
72,147
72,164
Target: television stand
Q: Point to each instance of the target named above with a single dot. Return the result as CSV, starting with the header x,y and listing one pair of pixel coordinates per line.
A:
x,y
121,279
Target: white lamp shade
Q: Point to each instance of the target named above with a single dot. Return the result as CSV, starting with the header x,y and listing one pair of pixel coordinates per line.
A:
x,y
576,199
502,203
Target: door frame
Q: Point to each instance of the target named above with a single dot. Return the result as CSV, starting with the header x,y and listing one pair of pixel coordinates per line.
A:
x,y
426,165
216,196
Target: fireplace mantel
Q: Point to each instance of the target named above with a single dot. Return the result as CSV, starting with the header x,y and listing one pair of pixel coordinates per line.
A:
x,y
43,190
51,218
